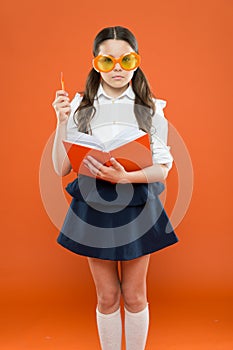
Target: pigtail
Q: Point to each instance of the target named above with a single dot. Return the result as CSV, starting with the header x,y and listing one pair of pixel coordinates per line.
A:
x,y
144,106
86,111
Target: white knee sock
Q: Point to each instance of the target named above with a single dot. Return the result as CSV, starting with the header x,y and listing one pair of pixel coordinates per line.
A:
x,y
110,330
136,329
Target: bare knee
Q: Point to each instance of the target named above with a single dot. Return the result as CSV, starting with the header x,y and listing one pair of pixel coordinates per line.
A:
x,y
135,299
109,299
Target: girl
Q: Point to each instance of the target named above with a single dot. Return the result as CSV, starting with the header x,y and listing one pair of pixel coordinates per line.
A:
x,y
116,203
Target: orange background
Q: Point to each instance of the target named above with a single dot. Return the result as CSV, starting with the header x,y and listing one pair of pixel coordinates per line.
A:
x,y
47,294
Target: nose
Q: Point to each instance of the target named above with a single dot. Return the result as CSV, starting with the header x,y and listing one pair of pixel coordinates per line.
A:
x,y
117,66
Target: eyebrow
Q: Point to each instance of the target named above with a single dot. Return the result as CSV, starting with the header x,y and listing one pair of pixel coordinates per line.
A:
x,y
107,54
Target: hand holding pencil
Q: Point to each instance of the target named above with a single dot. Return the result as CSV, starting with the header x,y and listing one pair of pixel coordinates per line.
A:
x,y
61,103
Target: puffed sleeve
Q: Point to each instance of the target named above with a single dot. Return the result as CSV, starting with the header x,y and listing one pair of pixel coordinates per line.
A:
x,y
71,126
160,150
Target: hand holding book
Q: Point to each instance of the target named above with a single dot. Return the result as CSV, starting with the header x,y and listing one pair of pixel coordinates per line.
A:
x,y
113,172
131,148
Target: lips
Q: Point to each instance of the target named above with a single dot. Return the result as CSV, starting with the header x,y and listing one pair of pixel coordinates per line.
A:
x,y
117,77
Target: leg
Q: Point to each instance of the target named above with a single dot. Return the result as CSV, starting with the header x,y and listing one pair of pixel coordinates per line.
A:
x,y
134,292
133,283
107,283
108,315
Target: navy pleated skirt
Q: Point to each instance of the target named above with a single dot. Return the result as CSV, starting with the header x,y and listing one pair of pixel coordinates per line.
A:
x,y
115,221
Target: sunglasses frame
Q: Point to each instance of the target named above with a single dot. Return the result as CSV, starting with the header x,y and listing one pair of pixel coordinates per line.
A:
x,y
115,61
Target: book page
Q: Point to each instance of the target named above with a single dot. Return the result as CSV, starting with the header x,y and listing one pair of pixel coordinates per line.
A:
x,y
87,140
123,137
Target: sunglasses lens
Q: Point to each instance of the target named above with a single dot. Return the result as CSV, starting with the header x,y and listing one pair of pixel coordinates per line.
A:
x,y
130,61
105,63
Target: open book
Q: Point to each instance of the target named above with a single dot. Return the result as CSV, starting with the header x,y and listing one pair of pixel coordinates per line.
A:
x,y
130,147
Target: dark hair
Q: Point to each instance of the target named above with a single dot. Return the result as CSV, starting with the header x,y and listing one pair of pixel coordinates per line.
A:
x,y
140,85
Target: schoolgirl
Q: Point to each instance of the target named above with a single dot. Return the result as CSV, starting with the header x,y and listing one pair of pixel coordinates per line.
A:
x,y
116,215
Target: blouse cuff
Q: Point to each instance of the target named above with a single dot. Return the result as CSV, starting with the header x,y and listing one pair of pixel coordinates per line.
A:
x,y
161,152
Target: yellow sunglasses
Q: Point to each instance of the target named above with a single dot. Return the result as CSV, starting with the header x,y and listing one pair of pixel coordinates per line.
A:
x,y
106,63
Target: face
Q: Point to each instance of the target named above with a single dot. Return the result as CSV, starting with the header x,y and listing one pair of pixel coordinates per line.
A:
x,y
118,78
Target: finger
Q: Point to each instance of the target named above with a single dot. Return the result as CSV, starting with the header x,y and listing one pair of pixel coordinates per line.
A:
x,y
63,104
95,171
116,165
61,99
95,162
61,93
60,105
58,102
66,110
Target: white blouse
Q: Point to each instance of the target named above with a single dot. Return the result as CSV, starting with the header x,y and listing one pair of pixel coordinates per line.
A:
x,y
113,114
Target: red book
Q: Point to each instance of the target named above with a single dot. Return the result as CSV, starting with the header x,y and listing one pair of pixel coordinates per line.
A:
x,y
131,148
